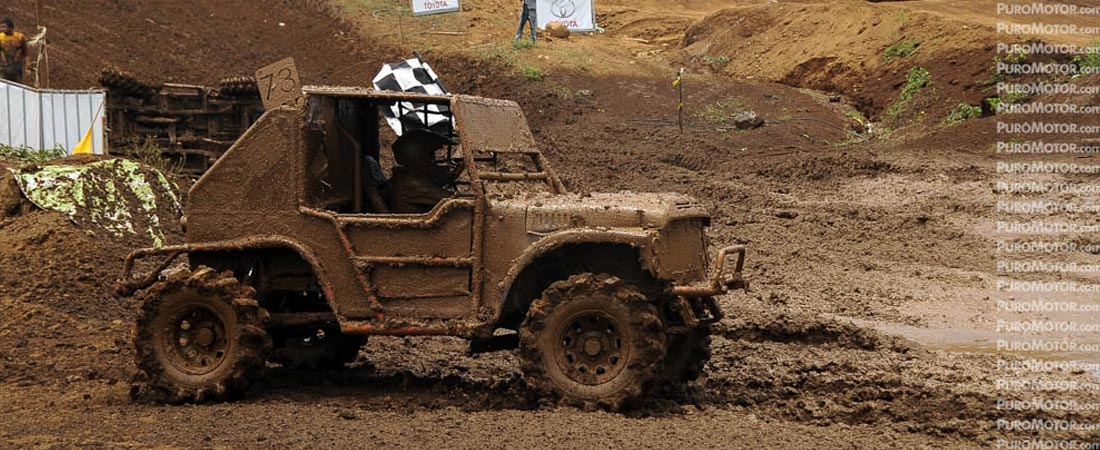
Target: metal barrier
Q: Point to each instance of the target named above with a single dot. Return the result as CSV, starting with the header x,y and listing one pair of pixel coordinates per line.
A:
x,y
46,118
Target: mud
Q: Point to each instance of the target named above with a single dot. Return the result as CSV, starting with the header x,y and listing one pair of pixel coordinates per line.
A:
x,y
893,232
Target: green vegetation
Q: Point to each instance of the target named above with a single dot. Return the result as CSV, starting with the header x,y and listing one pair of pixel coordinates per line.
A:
x,y
501,53
900,50
150,154
1015,57
721,111
533,73
1089,62
717,63
918,79
523,44
962,113
856,116
28,155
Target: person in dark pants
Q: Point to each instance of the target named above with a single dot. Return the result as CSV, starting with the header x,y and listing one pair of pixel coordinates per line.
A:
x,y
527,15
13,51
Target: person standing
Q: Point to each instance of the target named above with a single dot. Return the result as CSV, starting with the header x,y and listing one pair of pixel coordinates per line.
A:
x,y
13,51
527,15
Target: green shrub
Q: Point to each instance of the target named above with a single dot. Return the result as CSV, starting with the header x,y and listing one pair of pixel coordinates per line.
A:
x,y
901,50
918,79
717,63
963,112
28,155
523,44
1088,62
533,73
150,154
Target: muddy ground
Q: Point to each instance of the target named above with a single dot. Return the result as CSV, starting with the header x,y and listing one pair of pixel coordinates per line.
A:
x,y
868,325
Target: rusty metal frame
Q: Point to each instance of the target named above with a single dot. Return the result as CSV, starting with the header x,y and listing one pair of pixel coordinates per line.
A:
x,y
426,220
126,285
477,238
718,282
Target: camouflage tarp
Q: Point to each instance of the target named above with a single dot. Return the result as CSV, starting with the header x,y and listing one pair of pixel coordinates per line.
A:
x,y
114,195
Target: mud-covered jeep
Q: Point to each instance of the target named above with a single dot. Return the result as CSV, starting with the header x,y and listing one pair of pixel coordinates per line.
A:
x,y
294,259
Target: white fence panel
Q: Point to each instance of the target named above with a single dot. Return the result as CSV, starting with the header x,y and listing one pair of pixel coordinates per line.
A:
x,y
49,117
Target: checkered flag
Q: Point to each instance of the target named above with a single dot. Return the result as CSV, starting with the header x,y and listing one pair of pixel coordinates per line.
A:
x,y
414,75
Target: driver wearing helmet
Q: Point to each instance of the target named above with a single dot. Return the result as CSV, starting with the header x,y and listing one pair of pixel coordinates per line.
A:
x,y
418,183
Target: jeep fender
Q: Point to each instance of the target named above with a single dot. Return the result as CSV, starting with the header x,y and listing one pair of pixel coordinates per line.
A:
x,y
126,285
636,240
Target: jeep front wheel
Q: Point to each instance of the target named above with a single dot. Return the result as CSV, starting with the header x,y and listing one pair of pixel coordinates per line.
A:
x,y
199,337
594,341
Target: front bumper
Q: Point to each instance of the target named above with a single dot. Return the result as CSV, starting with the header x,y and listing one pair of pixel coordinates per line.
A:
x,y
720,280
695,303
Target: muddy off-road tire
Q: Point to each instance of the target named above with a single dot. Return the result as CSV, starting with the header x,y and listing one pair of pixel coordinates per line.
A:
x,y
312,348
199,337
688,353
594,341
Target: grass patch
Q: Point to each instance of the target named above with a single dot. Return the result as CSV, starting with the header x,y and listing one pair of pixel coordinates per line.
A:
x,y
523,44
1088,62
721,111
499,53
962,113
996,76
900,50
533,73
717,63
29,155
150,154
917,80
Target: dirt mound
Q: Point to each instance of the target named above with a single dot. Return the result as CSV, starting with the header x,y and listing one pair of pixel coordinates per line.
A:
x,y
194,42
12,201
60,319
842,46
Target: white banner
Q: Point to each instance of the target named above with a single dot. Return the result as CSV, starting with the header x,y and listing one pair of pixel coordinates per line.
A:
x,y
577,15
422,7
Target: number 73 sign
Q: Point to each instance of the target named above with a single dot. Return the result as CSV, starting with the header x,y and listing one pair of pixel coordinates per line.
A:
x,y
279,83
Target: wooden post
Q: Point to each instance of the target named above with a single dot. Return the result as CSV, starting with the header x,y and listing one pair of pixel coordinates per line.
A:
x,y
680,106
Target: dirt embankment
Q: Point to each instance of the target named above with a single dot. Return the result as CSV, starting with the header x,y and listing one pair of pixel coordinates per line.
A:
x,y
190,42
841,46
865,50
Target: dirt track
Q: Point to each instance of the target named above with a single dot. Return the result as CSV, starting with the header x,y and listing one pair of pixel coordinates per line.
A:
x,y
894,233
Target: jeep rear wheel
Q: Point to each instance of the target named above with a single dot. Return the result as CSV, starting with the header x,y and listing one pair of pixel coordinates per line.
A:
x,y
199,337
594,341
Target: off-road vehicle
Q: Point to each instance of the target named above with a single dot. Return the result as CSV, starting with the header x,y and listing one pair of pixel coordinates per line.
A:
x,y
293,259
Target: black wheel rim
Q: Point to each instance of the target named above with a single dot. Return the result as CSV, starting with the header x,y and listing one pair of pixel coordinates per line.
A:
x,y
590,348
196,340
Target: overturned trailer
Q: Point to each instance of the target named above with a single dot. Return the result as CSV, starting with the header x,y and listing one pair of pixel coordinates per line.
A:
x,y
189,124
